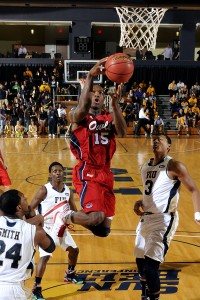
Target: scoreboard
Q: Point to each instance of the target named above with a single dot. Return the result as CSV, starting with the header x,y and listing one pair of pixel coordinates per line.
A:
x,y
82,44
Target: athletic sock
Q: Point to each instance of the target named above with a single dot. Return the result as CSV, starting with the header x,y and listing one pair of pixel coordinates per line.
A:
x,y
145,290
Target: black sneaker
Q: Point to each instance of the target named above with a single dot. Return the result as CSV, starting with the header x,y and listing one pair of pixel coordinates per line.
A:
x,y
72,278
37,293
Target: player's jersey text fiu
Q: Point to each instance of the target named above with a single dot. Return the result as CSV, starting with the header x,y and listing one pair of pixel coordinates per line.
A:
x,y
54,202
161,193
17,248
94,140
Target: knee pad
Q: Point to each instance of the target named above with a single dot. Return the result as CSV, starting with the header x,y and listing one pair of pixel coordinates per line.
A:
x,y
151,271
100,230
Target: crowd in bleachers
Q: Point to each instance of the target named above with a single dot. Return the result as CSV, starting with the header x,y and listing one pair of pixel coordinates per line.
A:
x,y
140,109
28,104
185,105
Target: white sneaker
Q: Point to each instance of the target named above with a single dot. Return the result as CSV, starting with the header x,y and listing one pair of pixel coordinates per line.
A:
x,y
53,135
49,135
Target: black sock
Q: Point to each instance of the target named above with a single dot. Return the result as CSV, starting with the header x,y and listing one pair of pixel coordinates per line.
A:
x,y
70,269
144,288
37,281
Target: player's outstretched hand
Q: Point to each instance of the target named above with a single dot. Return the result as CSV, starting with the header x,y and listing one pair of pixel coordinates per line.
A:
x,y
98,68
138,208
115,94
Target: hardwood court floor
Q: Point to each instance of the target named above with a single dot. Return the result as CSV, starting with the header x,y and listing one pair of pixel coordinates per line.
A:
x,y
108,265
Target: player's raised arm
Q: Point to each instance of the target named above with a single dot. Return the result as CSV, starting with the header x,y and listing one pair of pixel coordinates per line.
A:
x,y
80,112
118,119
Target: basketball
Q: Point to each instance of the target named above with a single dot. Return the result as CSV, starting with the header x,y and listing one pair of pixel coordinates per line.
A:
x,y
119,67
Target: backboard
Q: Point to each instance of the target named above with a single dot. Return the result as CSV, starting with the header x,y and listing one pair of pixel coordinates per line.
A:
x,y
76,69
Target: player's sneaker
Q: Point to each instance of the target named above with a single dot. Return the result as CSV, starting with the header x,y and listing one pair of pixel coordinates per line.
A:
x,y
37,293
144,298
72,278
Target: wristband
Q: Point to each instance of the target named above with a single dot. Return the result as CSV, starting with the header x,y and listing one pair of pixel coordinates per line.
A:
x,y
197,216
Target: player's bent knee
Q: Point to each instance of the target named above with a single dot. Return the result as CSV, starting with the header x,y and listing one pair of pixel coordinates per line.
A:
x,y
100,230
96,218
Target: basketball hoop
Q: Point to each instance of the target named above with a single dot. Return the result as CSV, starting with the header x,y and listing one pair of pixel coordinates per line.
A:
x,y
139,26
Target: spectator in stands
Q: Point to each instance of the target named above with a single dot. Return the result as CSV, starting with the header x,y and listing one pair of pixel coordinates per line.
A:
x,y
54,86
127,112
180,84
150,89
182,123
32,129
22,51
42,120
172,87
52,121
176,52
46,102
190,116
45,77
21,114
167,52
152,99
34,115
34,93
62,125
2,95
185,90
139,54
159,126
149,55
179,95
15,88
44,87
27,118
184,103
143,122
135,109
2,119
174,106
23,93
9,130
142,85
144,99
192,100
19,130
196,89
28,73
195,109
139,94
150,114
61,110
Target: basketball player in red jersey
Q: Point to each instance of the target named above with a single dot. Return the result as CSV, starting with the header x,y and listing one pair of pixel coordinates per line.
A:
x,y
92,142
4,177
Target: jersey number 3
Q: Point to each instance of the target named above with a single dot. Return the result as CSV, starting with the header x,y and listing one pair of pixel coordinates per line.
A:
x,y
148,187
13,253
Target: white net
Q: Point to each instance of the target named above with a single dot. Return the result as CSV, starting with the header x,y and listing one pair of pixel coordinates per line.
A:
x,y
139,26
